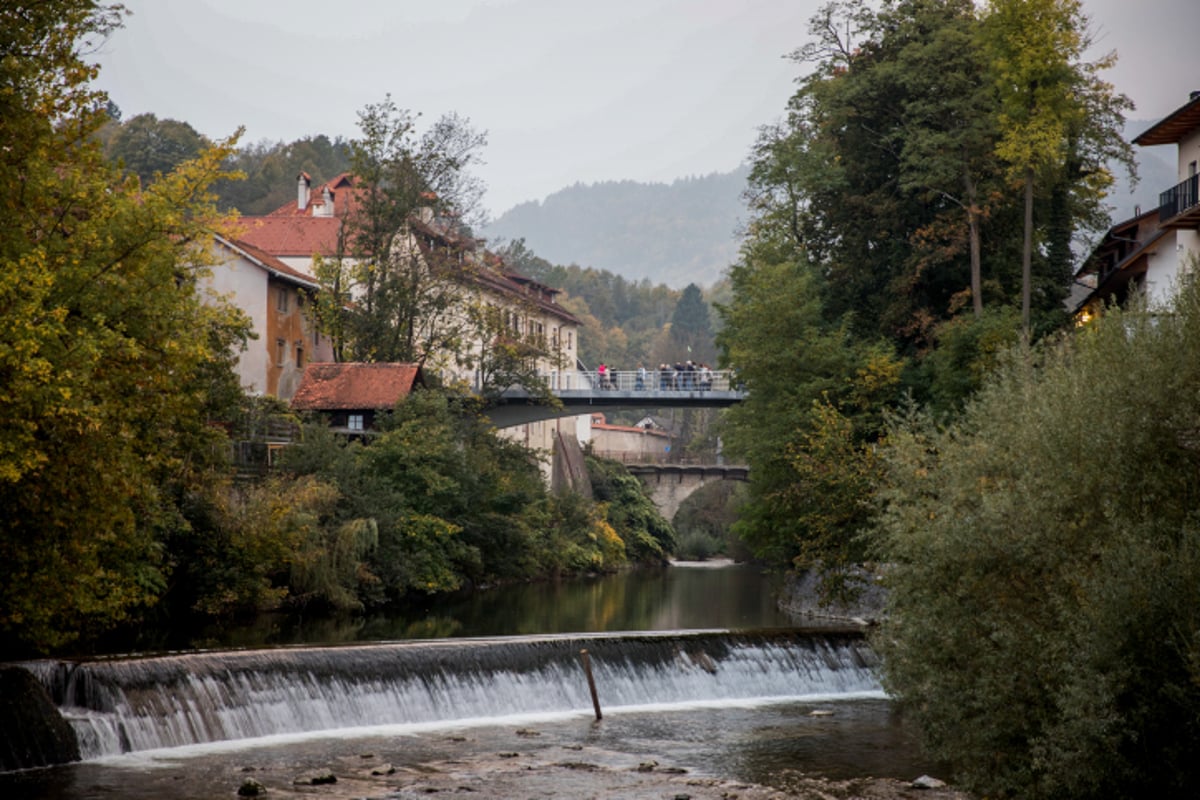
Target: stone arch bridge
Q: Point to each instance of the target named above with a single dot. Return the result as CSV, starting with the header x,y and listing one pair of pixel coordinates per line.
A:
x,y
671,484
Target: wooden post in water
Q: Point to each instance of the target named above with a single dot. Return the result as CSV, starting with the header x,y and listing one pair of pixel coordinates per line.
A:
x,y
587,670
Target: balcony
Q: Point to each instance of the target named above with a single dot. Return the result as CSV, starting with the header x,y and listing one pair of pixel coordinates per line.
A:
x,y
1179,206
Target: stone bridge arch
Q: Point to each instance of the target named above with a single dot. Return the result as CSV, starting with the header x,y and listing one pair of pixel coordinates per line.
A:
x,y
671,484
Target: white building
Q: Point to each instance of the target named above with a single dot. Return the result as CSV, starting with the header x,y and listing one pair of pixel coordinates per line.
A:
x,y
274,296
1152,251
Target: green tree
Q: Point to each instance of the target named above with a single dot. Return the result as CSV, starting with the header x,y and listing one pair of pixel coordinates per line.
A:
x,y
648,537
1058,119
271,168
107,354
691,328
1043,626
407,279
149,147
805,379
450,502
946,152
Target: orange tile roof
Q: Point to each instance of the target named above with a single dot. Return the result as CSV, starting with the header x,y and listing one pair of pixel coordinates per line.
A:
x,y
326,386
341,188
601,423
296,237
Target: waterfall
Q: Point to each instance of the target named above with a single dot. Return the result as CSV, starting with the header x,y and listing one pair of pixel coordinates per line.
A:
x,y
133,704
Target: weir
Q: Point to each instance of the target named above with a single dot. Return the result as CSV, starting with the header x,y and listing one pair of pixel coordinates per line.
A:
x,y
133,704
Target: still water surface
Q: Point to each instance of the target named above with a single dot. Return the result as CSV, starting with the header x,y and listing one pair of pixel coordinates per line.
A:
x,y
685,596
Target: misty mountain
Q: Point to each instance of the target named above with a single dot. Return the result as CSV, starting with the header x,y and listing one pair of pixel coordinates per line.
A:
x,y
678,233
686,232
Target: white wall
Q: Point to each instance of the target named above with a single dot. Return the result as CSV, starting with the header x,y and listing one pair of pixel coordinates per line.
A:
x,y
244,285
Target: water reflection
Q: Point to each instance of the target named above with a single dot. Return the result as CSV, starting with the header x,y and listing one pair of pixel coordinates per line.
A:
x,y
680,597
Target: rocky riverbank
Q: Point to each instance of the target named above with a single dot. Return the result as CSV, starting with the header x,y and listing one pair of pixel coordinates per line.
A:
x,y
802,598
531,770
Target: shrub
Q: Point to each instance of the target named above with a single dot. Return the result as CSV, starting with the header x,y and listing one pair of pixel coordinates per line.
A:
x,y
1044,623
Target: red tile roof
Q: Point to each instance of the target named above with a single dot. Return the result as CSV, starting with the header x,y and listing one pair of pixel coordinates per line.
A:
x,y
341,189
600,423
292,237
326,386
291,232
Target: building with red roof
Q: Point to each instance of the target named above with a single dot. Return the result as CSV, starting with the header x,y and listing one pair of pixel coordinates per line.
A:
x,y
317,225
352,394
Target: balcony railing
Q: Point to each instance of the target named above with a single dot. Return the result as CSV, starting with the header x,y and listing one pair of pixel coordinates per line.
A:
x,y
1178,199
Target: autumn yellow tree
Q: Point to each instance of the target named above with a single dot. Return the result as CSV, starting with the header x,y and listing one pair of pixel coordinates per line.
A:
x,y
108,357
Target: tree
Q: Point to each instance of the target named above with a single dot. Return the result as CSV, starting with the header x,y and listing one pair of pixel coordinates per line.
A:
x,y
815,397
1043,626
946,152
149,147
270,170
1058,119
107,354
405,277
625,502
691,329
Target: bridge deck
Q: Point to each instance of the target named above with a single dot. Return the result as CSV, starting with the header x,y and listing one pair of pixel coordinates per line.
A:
x,y
583,392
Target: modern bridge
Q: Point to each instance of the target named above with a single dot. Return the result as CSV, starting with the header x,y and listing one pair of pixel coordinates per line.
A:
x,y
582,392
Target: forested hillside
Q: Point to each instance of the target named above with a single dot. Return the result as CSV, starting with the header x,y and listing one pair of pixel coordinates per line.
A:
x,y
679,233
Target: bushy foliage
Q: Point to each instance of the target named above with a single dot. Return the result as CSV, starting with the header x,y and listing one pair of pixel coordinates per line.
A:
x,y
965,351
648,537
1044,623
448,503
814,406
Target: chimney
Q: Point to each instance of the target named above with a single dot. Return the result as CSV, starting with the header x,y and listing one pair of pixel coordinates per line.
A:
x,y
302,184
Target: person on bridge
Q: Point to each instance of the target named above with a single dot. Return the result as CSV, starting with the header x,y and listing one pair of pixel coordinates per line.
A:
x,y
602,374
640,384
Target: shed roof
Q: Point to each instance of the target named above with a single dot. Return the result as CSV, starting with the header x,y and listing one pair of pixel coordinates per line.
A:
x,y
328,386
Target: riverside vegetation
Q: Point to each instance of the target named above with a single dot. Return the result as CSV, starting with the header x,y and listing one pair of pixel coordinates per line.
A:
x,y
917,395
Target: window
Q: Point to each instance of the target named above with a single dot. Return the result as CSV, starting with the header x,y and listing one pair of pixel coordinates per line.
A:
x,y
354,422
281,299
299,356
280,352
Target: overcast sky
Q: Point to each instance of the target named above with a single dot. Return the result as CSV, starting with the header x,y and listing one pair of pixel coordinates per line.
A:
x,y
567,91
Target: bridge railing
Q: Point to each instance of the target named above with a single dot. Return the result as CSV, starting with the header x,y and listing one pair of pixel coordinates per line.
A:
x,y
650,380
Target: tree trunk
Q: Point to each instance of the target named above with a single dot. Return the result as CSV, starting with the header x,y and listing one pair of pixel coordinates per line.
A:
x,y
976,257
1027,254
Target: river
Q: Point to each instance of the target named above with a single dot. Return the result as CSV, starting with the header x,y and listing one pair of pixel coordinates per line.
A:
x,y
755,706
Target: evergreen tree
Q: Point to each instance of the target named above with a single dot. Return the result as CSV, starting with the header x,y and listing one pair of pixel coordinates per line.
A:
x,y
691,329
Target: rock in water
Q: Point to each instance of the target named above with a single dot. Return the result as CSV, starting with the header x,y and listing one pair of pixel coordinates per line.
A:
x,y
32,731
